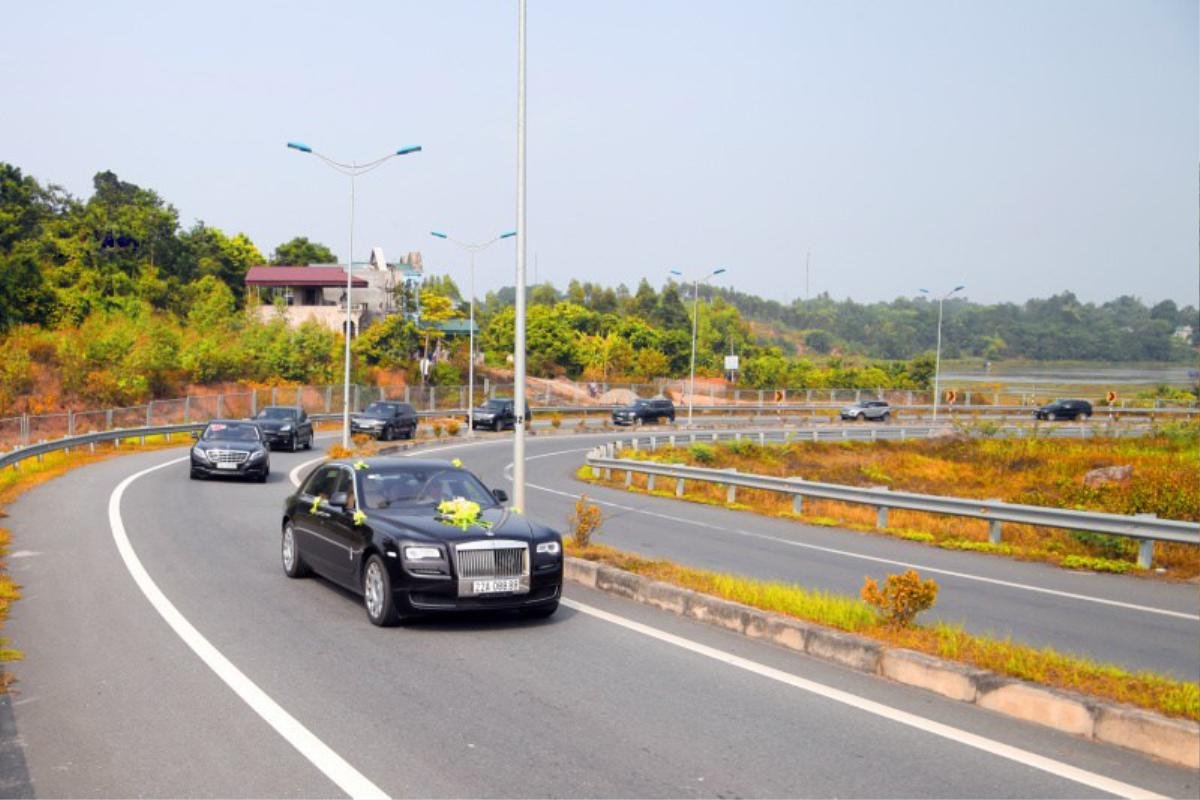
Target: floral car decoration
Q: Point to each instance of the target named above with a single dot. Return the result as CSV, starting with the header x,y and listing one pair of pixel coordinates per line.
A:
x,y
461,513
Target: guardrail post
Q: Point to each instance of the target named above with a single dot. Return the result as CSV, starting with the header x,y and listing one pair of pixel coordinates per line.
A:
x,y
903,433
714,436
873,432
881,511
994,526
797,504
731,491
628,478
679,487
762,439
814,434
1146,546
653,444
671,439
650,482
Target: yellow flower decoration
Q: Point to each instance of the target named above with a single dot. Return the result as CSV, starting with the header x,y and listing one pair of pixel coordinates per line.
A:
x,y
316,504
360,464
456,462
461,513
359,517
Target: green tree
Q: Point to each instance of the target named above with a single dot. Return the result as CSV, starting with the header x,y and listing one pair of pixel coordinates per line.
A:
x,y
300,252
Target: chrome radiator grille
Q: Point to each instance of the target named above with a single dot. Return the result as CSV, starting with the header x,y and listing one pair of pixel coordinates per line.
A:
x,y
493,562
227,456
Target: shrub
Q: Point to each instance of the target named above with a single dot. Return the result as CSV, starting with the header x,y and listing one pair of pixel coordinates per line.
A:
x,y
1096,564
702,453
360,439
902,597
438,428
453,426
556,419
337,451
585,521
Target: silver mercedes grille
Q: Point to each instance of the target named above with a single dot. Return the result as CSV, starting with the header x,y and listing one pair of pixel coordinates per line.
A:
x,y
227,456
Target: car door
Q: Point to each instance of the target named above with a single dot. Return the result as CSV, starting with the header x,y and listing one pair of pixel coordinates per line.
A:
x,y
347,539
311,520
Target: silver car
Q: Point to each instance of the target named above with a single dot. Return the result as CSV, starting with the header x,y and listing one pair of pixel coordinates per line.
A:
x,y
868,409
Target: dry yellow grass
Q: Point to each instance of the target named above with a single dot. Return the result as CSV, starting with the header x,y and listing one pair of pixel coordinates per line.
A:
x,y
1165,481
1046,666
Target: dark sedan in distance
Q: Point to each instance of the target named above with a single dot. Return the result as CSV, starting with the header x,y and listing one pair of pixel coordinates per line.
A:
x,y
640,410
497,414
286,426
1065,409
374,527
231,448
385,420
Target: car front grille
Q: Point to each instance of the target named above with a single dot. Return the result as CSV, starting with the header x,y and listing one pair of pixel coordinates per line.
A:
x,y
227,456
492,558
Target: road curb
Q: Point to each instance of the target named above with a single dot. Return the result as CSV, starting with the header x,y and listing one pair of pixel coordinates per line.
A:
x,y
1149,733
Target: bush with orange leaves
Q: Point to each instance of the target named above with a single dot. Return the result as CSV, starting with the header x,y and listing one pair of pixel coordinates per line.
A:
x,y
902,597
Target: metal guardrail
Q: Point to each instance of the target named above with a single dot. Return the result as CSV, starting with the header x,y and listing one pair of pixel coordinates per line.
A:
x,y
90,440
1146,528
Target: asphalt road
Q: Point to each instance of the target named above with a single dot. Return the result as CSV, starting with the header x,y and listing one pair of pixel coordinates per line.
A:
x,y
1130,621
305,698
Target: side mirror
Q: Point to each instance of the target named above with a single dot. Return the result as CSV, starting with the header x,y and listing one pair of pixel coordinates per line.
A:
x,y
195,434
338,500
500,495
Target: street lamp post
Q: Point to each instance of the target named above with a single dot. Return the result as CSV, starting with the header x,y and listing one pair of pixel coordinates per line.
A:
x,y
695,320
937,359
518,499
472,249
352,170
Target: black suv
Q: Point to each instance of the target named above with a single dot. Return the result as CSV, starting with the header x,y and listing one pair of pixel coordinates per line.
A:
x,y
1065,409
285,426
640,410
385,420
497,414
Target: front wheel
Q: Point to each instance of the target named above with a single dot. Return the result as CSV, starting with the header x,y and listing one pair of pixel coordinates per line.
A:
x,y
861,417
496,426
377,594
886,416
539,612
293,443
293,563
308,442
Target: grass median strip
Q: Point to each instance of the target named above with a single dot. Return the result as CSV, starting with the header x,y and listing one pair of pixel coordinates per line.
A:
x,y
1003,656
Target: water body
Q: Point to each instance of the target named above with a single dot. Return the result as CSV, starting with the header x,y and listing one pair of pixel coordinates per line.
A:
x,y
1180,375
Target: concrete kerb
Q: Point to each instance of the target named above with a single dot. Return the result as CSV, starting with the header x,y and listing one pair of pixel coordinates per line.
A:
x,y
1174,740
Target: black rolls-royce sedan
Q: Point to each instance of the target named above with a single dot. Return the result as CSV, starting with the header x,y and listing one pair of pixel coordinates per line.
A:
x,y
419,536
231,447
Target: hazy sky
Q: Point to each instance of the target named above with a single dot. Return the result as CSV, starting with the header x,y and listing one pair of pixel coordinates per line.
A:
x,y
1020,148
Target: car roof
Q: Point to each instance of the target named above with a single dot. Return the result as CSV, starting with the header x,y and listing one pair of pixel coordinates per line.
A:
x,y
232,422
393,462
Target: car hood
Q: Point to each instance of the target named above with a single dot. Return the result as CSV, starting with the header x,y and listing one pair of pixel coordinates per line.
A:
x,y
273,424
364,415
487,412
504,524
228,444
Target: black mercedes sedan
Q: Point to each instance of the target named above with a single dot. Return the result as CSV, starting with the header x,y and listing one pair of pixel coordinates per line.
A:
x,y
286,426
419,537
233,448
385,420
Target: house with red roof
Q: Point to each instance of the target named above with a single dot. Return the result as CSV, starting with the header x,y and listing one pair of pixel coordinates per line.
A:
x,y
308,293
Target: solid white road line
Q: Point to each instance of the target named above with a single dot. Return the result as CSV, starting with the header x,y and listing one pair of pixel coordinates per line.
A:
x,y
834,551
333,766
1015,754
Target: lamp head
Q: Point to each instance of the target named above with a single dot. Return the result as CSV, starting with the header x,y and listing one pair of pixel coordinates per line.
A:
x,y
676,272
438,234
718,271
301,146
403,151
508,234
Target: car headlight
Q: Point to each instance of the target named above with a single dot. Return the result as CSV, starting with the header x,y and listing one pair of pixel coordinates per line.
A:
x,y
285,428
422,553
200,453
257,454
549,548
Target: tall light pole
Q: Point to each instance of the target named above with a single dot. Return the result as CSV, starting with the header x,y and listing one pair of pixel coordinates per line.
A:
x,y
522,237
937,361
352,170
695,319
472,249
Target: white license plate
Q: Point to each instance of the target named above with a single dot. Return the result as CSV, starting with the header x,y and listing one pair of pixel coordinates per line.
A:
x,y
499,585
226,465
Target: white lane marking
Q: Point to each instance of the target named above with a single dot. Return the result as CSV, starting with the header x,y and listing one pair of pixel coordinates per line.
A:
x,y
780,540
958,735
333,766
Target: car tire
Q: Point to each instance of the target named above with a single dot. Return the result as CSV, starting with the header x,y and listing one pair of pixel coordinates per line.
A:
x,y
377,594
309,441
539,612
293,443
196,476
497,426
387,434
887,415
294,565
860,417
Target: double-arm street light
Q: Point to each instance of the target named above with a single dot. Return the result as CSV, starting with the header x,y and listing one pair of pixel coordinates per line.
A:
x,y
695,318
352,170
472,249
937,362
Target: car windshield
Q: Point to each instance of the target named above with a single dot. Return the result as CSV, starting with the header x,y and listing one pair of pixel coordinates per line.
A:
x,y
494,405
277,413
380,409
640,403
231,431
422,487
